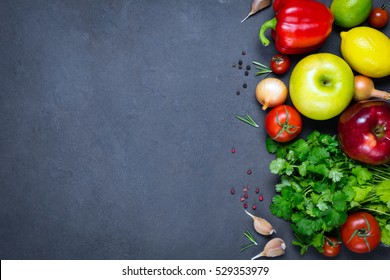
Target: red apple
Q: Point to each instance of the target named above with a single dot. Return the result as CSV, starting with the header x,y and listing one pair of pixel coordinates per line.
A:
x,y
364,132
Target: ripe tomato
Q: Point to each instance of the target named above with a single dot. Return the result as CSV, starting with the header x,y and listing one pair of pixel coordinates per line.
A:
x,y
361,232
378,17
283,123
280,63
331,246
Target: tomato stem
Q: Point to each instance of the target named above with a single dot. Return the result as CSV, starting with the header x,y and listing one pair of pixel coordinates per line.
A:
x,y
331,243
290,129
362,233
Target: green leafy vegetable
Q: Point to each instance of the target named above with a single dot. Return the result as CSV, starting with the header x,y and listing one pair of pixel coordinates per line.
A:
x,y
319,185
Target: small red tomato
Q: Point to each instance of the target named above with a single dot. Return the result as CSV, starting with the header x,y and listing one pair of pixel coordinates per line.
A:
x,y
280,63
361,232
331,246
283,123
378,17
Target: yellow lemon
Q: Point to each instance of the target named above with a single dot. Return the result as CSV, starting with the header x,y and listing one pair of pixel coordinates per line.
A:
x,y
367,51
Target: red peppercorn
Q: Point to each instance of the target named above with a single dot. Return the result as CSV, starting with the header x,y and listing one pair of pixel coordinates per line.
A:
x,y
254,207
261,198
257,190
245,205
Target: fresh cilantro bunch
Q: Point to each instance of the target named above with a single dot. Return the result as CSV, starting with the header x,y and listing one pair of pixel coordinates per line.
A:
x,y
319,185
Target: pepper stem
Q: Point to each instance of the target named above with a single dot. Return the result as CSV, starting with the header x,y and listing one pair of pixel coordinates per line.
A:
x,y
266,25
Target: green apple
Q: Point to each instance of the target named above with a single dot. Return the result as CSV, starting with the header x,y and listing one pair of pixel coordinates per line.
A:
x,y
321,86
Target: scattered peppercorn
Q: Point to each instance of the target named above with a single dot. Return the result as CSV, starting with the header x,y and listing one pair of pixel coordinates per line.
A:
x,y
261,198
249,172
238,92
245,205
232,191
243,53
254,207
240,62
246,73
244,85
248,67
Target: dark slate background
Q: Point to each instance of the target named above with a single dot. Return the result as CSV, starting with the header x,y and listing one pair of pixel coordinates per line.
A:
x,y
117,120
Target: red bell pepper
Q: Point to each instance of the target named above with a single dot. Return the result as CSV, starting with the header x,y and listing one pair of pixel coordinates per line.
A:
x,y
299,26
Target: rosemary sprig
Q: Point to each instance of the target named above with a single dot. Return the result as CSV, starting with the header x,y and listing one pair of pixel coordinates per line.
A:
x,y
248,120
250,237
264,69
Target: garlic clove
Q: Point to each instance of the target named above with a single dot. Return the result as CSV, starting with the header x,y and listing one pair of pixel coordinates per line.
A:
x,y
261,225
257,5
274,248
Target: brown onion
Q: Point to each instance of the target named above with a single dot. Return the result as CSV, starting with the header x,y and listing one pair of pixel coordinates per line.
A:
x,y
364,89
271,92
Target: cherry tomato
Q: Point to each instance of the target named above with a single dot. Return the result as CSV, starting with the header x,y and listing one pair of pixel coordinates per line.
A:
x,y
283,123
331,246
378,17
280,63
361,232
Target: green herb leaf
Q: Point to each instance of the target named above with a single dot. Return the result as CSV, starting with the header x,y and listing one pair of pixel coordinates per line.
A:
x,y
302,149
335,175
281,207
319,185
284,183
361,193
362,174
339,201
308,226
278,166
383,191
251,238
318,154
248,120
271,145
